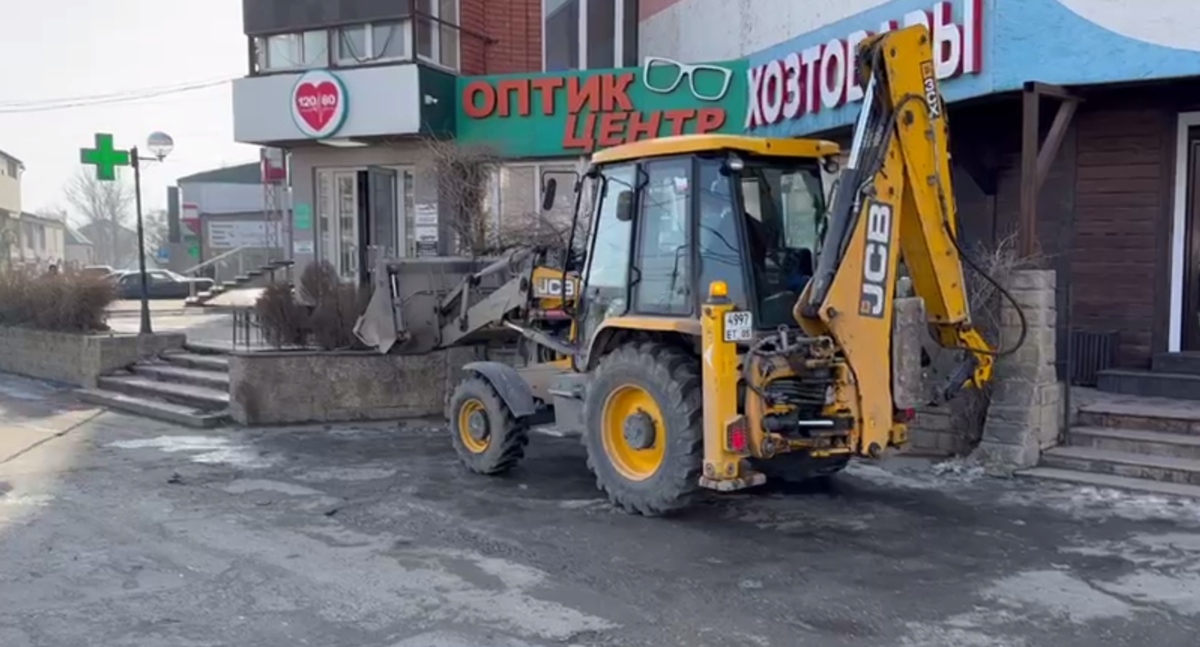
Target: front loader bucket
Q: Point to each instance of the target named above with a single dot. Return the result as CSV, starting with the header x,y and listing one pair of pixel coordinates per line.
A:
x,y
406,312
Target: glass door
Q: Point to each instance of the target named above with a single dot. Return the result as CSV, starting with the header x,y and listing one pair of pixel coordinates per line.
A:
x,y
345,234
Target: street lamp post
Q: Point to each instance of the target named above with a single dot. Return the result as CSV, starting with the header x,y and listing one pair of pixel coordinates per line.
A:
x,y
161,145
106,157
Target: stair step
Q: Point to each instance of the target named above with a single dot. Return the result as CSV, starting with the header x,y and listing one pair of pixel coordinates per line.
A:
x,y
1137,441
202,348
154,409
1133,412
198,397
1180,386
1111,481
208,362
1099,461
179,375
1185,363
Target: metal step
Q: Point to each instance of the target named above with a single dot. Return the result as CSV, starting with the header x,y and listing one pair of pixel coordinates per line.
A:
x,y
179,375
1111,481
1099,461
197,397
1137,441
154,409
1179,386
207,362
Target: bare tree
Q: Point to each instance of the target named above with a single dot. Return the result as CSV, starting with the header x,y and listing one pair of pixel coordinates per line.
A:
x,y
465,177
104,205
8,237
154,222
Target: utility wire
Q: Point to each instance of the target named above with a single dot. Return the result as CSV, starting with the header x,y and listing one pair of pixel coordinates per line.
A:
x,y
46,105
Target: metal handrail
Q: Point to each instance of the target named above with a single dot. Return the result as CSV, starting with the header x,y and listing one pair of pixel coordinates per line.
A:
x,y
213,260
219,258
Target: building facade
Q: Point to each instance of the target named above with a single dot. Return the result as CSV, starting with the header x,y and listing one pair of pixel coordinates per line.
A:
x,y
363,95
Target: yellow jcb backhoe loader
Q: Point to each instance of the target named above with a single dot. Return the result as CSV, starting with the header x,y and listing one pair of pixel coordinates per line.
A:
x,y
727,322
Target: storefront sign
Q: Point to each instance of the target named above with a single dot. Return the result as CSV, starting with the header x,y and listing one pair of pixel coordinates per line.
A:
x,y
319,104
821,75
553,114
231,234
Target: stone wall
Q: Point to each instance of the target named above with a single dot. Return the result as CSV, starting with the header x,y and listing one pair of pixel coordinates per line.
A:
x,y
76,358
288,387
1025,415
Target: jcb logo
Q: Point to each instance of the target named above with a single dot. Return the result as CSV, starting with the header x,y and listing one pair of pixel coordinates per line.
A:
x,y
876,260
553,288
929,84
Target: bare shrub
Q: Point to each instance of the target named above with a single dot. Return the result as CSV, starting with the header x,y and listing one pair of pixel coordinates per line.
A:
x,y
283,321
58,302
321,314
335,306
999,261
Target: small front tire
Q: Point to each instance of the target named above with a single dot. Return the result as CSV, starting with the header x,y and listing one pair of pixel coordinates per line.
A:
x,y
488,439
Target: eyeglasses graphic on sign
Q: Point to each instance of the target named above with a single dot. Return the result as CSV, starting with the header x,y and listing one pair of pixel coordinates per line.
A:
x,y
707,82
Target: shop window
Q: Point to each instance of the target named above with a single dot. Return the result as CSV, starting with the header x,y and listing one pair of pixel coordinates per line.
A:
x,y
437,32
374,43
515,203
296,51
589,34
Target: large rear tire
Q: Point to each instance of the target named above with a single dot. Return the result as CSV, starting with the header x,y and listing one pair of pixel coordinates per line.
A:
x,y
645,430
486,436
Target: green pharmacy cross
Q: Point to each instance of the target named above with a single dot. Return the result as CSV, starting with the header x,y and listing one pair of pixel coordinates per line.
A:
x,y
104,157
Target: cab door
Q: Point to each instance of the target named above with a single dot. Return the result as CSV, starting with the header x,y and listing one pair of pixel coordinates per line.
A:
x,y
606,276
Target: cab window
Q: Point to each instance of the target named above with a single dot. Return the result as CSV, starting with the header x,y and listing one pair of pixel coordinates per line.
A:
x,y
783,206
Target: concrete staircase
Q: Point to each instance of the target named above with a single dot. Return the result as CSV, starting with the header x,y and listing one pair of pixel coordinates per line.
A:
x,y
186,387
1171,375
1130,442
254,278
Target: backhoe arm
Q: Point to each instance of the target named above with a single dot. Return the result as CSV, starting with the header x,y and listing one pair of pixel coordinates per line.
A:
x,y
893,199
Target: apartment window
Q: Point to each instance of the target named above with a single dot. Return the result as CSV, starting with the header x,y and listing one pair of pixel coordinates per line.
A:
x,y
373,43
589,34
13,168
296,51
437,32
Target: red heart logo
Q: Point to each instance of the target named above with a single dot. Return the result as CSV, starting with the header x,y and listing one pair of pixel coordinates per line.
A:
x,y
317,103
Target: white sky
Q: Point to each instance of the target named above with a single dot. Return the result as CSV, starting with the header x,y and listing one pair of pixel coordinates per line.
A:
x,y
54,49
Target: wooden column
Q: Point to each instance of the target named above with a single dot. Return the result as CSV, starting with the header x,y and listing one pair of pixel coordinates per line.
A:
x,y
1037,156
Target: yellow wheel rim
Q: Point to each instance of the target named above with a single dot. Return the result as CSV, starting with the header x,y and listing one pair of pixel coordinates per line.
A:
x,y
473,412
629,413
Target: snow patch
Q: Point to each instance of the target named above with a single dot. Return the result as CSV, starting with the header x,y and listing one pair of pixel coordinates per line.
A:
x,y
212,451
1057,593
26,500
1089,502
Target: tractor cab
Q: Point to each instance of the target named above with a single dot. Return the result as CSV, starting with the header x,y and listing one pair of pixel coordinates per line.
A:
x,y
669,217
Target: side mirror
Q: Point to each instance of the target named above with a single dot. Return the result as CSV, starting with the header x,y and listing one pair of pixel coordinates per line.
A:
x,y
625,206
548,194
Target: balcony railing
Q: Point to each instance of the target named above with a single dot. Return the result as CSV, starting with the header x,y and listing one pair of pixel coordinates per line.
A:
x,y
417,37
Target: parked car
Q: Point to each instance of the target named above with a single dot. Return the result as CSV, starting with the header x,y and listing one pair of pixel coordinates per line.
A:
x,y
160,284
98,270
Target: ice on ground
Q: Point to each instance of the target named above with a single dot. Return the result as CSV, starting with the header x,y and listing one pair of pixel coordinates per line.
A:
x,y
207,450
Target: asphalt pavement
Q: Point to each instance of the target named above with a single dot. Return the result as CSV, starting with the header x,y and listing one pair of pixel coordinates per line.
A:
x,y
120,532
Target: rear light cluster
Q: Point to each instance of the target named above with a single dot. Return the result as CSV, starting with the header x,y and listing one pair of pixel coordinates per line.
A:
x,y
737,437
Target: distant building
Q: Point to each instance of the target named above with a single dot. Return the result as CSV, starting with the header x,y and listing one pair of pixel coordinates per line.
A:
x,y
11,170
221,211
115,245
41,243
78,250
